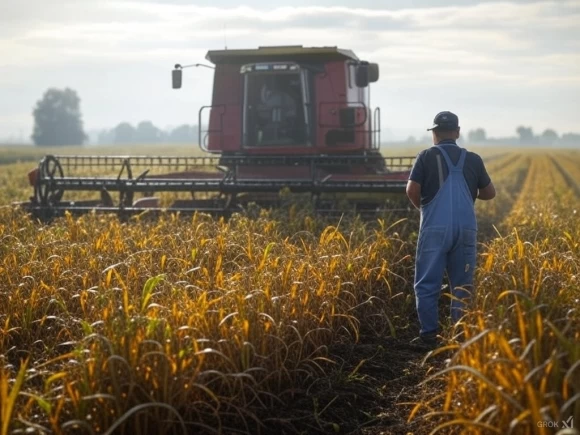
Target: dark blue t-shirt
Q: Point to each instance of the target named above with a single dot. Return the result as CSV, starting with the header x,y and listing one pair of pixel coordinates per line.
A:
x,y
426,174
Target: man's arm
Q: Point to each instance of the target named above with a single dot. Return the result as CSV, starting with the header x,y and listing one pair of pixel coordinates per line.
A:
x,y
414,193
416,178
487,193
486,189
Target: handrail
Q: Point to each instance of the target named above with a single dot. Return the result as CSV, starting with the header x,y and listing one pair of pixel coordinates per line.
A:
x,y
200,131
376,129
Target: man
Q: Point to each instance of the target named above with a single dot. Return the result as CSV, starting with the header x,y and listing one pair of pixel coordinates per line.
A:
x,y
444,183
282,109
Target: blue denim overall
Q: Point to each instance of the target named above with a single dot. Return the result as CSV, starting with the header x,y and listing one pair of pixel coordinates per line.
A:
x,y
447,240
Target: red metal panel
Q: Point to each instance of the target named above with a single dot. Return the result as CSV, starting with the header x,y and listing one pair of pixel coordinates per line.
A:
x,y
281,150
331,96
225,124
330,89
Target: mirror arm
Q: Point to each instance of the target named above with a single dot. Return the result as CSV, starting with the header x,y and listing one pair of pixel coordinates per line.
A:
x,y
178,66
176,74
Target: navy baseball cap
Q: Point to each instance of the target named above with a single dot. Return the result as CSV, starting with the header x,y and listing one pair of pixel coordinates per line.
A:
x,y
445,121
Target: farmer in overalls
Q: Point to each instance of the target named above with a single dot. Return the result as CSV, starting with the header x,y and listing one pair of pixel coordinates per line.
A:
x,y
444,183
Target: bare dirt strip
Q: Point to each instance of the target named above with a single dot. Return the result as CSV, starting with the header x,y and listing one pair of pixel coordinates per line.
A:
x,y
566,175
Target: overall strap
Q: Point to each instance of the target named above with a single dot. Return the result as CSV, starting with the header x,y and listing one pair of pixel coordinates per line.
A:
x,y
440,170
450,165
461,161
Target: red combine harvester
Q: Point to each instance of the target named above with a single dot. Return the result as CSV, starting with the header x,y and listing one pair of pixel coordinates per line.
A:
x,y
290,117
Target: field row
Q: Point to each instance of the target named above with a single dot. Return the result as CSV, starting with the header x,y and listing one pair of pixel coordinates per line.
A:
x,y
526,183
508,175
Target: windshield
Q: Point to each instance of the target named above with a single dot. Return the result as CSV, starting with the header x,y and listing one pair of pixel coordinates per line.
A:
x,y
274,108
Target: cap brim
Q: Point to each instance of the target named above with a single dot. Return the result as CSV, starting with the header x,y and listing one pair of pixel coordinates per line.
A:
x,y
443,127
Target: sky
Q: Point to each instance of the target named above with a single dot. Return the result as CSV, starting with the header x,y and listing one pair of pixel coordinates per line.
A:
x,y
497,65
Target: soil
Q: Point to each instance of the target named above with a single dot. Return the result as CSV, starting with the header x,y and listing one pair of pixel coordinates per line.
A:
x,y
371,391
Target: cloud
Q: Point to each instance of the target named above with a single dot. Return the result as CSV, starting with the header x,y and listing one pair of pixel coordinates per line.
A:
x,y
494,39
126,30
508,48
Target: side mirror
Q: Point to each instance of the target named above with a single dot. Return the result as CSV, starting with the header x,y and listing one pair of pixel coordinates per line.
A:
x,y
366,73
373,72
361,76
176,76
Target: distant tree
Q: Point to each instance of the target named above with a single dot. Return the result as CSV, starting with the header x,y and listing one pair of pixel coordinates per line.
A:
x,y
549,137
526,135
124,133
57,119
147,133
182,134
477,135
572,139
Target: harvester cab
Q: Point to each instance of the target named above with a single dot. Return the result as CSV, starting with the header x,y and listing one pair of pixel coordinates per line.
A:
x,y
289,101
290,117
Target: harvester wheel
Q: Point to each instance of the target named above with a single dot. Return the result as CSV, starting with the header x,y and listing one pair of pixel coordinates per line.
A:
x,y
44,192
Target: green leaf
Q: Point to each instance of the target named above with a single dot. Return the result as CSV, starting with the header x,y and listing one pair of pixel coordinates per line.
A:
x,y
148,289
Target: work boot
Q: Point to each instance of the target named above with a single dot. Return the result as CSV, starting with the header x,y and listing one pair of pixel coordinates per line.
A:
x,y
427,341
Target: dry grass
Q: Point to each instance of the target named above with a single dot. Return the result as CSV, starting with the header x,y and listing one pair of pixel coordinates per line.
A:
x,y
218,321
198,324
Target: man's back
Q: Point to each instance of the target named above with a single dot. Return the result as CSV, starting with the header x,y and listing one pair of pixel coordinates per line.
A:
x,y
426,170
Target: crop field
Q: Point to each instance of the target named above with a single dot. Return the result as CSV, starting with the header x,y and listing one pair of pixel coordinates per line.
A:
x,y
285,323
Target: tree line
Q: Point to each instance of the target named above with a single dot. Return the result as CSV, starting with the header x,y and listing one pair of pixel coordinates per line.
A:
x,y
58,121
526,136
145,132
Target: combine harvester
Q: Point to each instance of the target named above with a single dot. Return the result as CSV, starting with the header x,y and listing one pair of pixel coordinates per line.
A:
x,y
281,118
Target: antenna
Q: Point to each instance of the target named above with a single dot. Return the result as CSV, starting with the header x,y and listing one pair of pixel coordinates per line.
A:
x,y
225,38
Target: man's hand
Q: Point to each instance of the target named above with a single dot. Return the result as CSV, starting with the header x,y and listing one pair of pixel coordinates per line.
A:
x,y
414,193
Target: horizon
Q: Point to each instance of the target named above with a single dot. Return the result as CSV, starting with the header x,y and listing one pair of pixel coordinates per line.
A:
x,y
504,64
